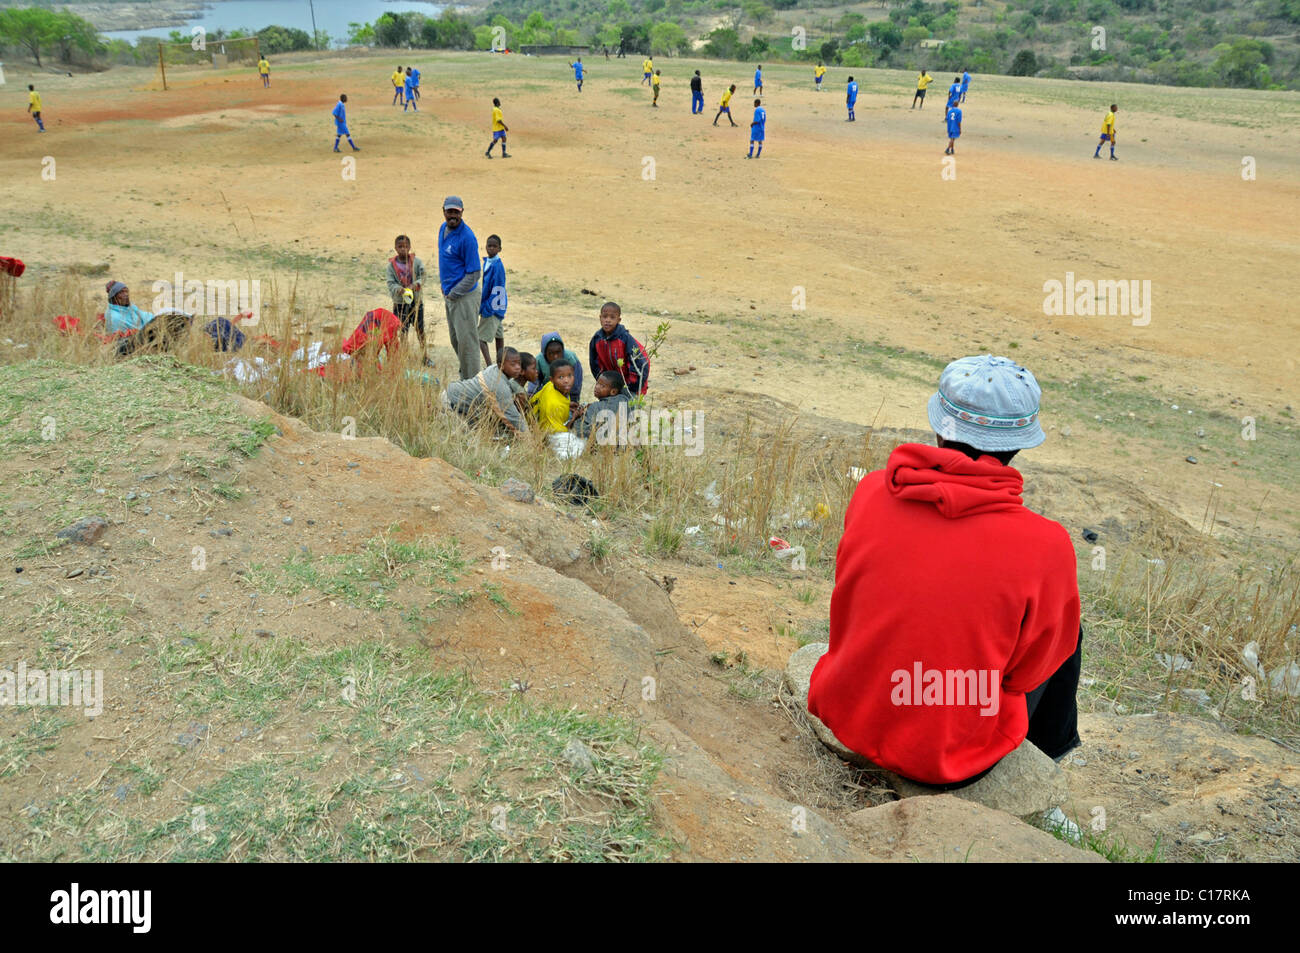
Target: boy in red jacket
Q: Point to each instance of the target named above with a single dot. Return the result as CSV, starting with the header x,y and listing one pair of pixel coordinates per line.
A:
x,y
613,348
954,628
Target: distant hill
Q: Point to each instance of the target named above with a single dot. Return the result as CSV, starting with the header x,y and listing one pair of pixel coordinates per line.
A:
x,y
1238,43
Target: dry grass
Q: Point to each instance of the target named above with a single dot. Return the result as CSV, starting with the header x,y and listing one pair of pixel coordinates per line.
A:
x,y
741,490
738,491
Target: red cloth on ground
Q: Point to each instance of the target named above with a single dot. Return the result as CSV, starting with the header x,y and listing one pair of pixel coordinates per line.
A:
x,y
13,267
72,325
942,568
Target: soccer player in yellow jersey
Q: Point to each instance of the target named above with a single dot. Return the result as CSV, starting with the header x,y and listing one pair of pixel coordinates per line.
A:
x,y
654,82
34,106
1107,133
647,68
499,129
726,105
399,85
264,71
819,73
922,81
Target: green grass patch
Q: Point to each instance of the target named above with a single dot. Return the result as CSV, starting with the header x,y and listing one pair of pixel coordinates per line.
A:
x,y
372,757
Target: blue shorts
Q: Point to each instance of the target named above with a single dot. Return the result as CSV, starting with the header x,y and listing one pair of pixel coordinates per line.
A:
x,y
851,103
498,134
1105,136
341,129
645,75
757,135
725,109
954,132
819,80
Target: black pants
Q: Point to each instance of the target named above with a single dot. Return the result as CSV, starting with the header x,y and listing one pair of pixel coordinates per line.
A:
x,y
410,314
1053,710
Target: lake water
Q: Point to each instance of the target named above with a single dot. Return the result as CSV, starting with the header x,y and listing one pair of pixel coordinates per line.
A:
x,y
332,16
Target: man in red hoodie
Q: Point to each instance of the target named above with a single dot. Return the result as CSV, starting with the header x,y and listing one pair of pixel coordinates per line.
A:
x,y
955,617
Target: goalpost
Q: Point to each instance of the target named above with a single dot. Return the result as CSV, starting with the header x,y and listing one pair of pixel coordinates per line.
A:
x,y
206,51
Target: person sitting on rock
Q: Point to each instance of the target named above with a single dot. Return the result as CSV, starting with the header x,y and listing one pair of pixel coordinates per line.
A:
x,y
954,622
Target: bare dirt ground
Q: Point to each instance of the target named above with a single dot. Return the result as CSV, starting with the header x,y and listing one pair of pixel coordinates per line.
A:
x,y
220,177
902,271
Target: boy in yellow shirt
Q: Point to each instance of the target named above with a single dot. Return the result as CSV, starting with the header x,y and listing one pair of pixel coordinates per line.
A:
x,y
34,106
1108,133
554,412
726,105
654,84
647,67
819,74
264,71
399,85
922,81
499,130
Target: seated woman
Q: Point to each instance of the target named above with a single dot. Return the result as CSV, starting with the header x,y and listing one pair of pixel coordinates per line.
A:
x,y
144,329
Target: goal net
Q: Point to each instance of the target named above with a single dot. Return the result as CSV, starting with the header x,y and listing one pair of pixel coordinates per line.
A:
x,y
204,50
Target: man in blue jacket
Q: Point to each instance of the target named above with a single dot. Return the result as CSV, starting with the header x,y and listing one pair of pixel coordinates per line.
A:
x,y
458,273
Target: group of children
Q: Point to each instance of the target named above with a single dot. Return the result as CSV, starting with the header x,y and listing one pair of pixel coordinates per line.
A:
x,y
545,389
406,87
519,386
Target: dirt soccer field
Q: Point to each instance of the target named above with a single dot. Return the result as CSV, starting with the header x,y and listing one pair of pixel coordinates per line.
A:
x,y
220,178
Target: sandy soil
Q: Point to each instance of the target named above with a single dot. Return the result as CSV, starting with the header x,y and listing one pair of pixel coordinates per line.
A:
x,y
223,178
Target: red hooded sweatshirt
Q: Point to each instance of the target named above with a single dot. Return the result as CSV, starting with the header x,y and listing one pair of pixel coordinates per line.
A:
x,y
951,601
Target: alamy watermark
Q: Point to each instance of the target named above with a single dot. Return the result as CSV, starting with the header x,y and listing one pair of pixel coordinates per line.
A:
x,y
211,298
650,428
1123,298
947,687
78,688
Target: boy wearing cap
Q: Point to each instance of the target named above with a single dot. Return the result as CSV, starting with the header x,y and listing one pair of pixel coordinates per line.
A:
x,y
954,630
458,271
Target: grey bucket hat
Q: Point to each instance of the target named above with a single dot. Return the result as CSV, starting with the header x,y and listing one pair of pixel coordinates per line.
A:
x,y
989,403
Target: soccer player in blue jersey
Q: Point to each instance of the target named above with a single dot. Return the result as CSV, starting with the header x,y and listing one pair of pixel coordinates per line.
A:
x,y
409,90
954,94
415,82
577,72
965,83
341,124
953,119
851,100
757,130
758,81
